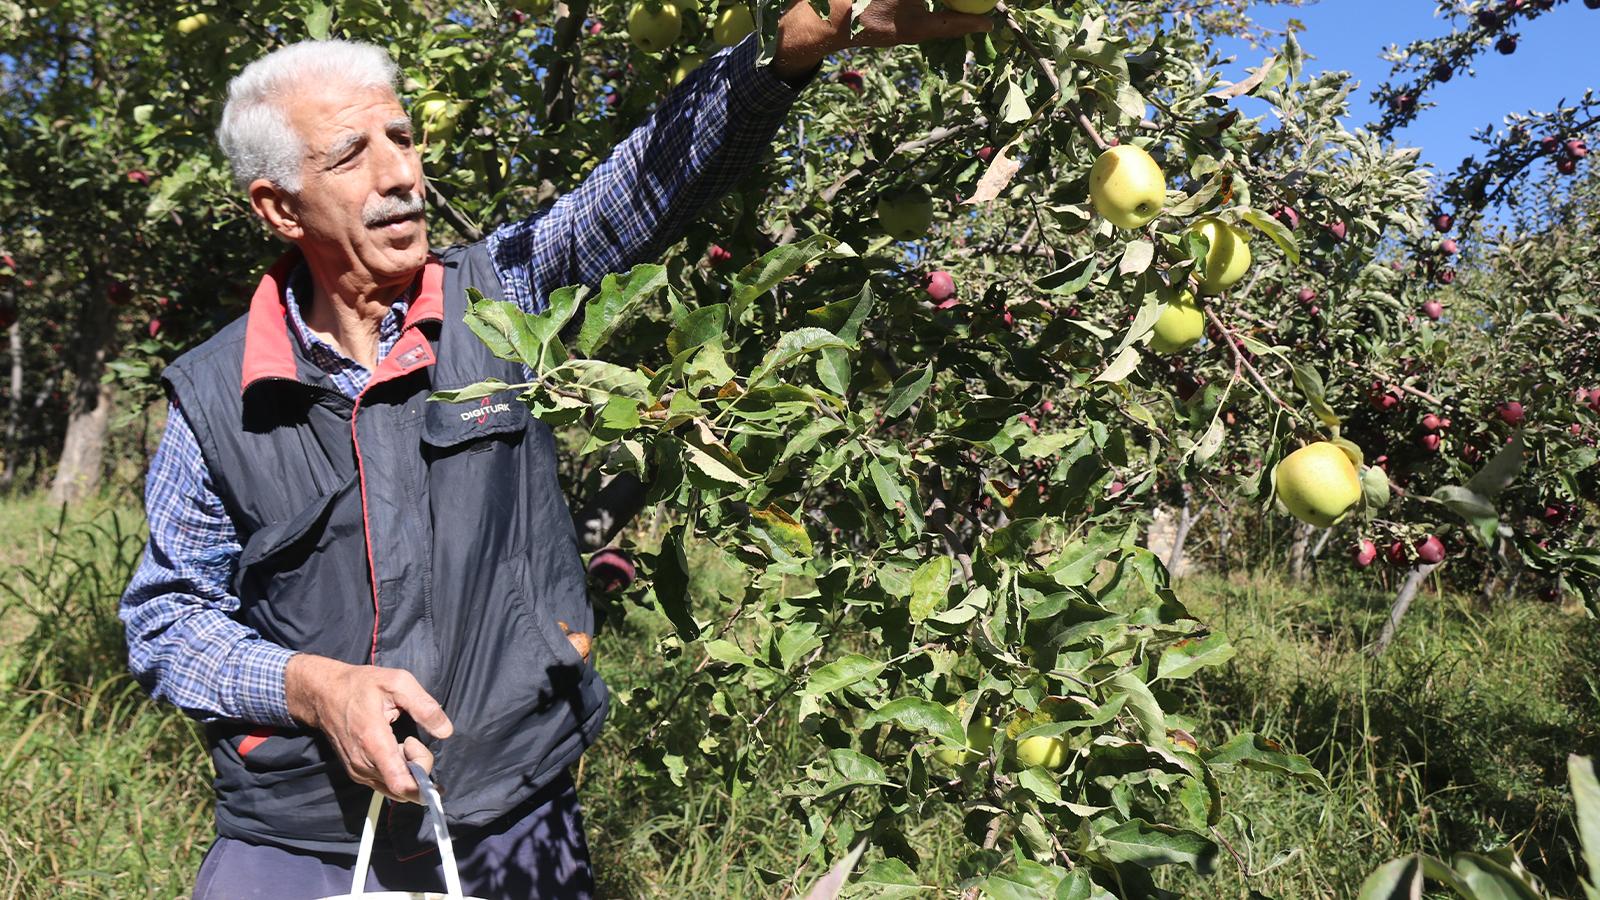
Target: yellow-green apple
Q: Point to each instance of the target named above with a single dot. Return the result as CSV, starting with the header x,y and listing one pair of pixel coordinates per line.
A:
x,y
970,7
980,737
732,24
906,215
1179,326
687,63
438,114
654,26
191,24
1127,187
1228,257
1318,484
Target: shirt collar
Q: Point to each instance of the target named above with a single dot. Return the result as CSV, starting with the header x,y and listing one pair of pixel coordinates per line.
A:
x,y
268,348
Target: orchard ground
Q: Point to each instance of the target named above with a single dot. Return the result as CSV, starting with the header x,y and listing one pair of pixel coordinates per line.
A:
x,y
1454,740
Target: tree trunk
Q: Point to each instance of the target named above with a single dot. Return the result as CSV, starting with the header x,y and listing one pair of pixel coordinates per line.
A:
x,y
82,462
1298,552
14,413
1402,602
83,455
1186,519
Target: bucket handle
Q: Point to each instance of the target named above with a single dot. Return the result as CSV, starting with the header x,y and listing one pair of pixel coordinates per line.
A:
x,y
441,835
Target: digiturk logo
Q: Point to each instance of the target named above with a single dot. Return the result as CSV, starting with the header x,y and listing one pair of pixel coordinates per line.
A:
x,y
484,410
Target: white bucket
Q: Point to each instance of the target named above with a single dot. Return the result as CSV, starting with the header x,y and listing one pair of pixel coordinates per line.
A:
x,y
441,834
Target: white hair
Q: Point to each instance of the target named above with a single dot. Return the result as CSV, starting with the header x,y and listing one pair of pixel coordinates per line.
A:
x,y
255,133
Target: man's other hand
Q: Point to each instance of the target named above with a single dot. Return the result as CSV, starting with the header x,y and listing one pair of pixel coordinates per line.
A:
x,y
356,707
805,38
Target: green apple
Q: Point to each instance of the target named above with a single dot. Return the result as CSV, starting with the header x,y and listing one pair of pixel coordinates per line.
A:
x,y
1229,256
1179,326
653,27
437,114
906,215
191,24
1318,484
732,24
980,737
1049,752
1127,187
970,7
687,63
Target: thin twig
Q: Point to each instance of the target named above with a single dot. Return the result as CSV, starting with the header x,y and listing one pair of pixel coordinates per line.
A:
x,y
1421,395
1239,360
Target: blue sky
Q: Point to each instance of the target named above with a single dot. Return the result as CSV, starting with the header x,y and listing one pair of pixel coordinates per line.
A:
x,y
1350,35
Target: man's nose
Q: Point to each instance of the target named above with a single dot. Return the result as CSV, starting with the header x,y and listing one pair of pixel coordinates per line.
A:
x,y
397,168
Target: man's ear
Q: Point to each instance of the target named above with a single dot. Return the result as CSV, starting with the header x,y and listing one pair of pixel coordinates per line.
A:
x,y
277,208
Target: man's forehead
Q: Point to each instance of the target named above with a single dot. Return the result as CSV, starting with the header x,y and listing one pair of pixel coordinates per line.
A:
x,y
326,113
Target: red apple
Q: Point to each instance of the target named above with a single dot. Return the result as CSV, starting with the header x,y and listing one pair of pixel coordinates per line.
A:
x,y
1567,166
1306,295
1288,216
1444,222
1549,144
1046,408
611,570
852,79
717,256
1397,553
986,153
1507,44
941,288
1433,309
1337,229
1448,247
1577,149
1511,412
596,27
1365,553
154,327
1430,549
1448,276
1429,442
1431,422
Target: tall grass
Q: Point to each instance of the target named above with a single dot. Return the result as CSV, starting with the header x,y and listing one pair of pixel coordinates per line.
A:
x,y
1454,740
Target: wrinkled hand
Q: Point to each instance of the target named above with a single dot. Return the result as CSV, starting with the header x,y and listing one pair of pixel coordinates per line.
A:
x,y
804,38
355,706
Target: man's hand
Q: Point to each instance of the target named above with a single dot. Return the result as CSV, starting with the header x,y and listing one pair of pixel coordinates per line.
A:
x,y
805,38
355,707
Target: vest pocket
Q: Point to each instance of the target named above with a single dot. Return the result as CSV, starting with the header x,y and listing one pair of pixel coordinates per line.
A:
x,y
450,426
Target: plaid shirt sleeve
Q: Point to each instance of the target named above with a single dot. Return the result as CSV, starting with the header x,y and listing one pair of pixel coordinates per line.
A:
x,y
706,134
184,644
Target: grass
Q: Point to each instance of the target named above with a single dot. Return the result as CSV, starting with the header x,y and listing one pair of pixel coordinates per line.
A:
x,y
1455,740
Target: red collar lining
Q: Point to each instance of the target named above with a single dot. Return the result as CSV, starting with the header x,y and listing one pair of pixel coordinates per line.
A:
x,y
268,346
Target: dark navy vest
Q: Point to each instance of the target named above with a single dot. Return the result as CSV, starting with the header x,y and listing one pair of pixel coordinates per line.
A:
x,y
431,537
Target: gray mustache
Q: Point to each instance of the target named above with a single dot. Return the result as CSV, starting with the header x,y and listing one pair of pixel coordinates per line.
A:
x,y
394,207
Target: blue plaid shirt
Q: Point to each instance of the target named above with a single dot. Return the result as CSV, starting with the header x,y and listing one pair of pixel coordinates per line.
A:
x,y
184,643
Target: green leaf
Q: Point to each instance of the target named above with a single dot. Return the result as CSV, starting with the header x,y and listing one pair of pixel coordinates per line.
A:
x,y
700,326
782,532
1501,471
1309,382
1150,845
929,586
792,346
1253,751
908,389
728,652
1397,879
1030,881
672,585
1192,654
1072,278
1121,367
891,879
471,391
775,265
1014,106
921,716
318,18
619,296
1476,509
841,673
1136,257
512,334
1586,796
1488,879
1277,231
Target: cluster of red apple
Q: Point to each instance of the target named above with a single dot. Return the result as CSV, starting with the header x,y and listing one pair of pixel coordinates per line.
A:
x,y
1567,153
1431,426
1428,550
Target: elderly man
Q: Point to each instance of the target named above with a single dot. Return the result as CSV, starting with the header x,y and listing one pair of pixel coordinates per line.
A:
x,y
342,576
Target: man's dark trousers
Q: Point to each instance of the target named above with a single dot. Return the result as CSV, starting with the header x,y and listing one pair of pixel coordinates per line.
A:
x,y
537,852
